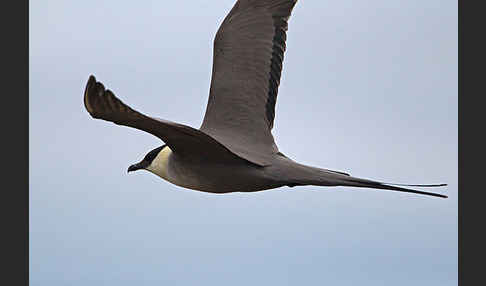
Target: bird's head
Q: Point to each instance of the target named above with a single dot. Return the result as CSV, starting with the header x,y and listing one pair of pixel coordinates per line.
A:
x,y
148,160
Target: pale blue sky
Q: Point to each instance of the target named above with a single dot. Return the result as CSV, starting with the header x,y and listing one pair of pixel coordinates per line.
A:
x,y
374,82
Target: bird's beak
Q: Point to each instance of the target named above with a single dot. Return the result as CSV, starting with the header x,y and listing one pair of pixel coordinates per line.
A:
x,y
135,167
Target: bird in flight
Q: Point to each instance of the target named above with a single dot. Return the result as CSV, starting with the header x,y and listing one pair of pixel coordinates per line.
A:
x,y
234,149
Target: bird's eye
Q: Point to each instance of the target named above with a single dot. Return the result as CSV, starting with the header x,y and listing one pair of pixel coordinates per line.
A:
x,y
152,154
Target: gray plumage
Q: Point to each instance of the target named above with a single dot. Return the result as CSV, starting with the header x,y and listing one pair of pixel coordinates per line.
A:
x,y
234,150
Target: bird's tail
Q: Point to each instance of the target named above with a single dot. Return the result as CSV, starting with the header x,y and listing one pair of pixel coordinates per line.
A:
x,y
307,175
358,182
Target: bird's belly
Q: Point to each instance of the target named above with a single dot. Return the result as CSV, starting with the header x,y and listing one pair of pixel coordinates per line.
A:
x,y
219,178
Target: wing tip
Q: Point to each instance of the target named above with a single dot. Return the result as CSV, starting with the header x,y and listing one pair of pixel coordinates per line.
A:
x,y
91,82
92,88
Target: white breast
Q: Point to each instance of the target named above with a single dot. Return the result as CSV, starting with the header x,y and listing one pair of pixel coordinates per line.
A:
x,y
160,164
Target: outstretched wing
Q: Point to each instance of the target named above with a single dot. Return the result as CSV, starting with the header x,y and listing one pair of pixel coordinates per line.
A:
x,y
183,140
248,54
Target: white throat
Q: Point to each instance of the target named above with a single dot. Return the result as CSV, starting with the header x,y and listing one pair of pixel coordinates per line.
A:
x,y
160,164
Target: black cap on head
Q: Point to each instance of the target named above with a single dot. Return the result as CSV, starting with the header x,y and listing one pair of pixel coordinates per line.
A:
x,y
147,160
152,154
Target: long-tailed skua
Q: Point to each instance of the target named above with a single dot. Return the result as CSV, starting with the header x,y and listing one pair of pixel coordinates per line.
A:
x,y
234,149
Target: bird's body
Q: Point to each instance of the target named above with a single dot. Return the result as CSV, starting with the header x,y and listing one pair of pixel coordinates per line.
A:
x,y
237,175
234,149
213,177
231,176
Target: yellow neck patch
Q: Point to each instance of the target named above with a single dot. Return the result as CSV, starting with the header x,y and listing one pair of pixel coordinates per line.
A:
x,y
160,164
